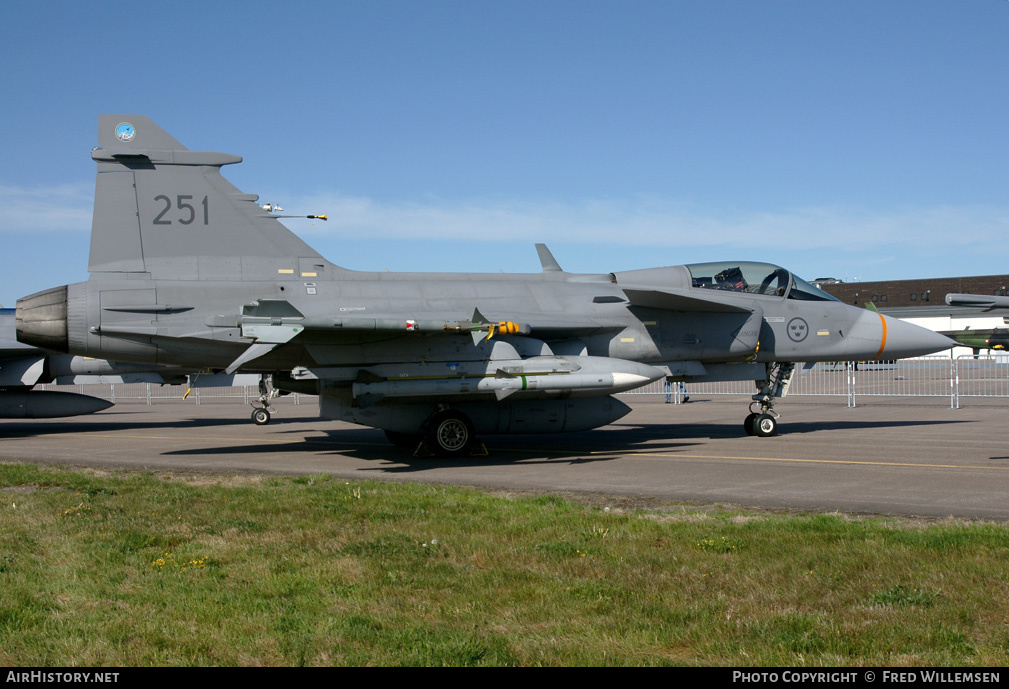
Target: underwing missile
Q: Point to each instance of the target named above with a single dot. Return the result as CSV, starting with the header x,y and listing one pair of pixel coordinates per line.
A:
x,y
591,377
984,301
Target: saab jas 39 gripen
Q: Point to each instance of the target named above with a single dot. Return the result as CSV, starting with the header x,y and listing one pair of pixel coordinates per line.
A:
x,y
187,270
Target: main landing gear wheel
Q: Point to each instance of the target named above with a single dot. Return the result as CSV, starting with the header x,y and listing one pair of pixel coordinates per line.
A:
x,y
260,417
449,434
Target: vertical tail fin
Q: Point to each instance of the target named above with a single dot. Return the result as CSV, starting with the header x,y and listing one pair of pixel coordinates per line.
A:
x,y
165,210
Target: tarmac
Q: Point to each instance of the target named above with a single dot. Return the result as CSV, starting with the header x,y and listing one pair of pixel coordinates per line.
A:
x,y
913,457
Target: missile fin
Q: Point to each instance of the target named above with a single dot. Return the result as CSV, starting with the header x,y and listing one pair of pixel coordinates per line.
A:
x,y
253,352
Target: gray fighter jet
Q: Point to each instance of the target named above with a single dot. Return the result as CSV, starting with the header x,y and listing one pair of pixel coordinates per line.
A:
x,y
187,270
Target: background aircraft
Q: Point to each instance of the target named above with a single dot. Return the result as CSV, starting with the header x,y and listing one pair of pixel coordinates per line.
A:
x,y
187,270
981,338
984,301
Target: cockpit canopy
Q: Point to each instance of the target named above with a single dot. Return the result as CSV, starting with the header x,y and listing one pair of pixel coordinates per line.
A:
x,y
754,278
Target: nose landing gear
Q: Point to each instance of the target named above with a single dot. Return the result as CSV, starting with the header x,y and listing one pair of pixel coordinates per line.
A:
x,y
261,414
762,421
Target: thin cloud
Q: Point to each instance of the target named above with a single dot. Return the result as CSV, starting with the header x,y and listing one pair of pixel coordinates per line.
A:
x,y
644,222
649,222
63,208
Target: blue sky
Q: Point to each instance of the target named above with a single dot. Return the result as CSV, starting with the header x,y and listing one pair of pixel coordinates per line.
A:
x,y
852,138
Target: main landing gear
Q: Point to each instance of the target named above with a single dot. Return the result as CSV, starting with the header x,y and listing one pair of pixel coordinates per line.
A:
x,y
446,433
449,434
762,421
261,414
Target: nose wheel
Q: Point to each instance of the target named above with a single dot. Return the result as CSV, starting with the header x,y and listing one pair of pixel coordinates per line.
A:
x,y
761,425
261,414
762,421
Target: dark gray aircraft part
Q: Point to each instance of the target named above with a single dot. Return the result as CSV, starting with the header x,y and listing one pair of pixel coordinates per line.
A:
x,y
21,368
187,270
984,301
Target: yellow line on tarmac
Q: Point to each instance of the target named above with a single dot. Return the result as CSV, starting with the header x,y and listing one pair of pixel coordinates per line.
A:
x,y
617,453
812,461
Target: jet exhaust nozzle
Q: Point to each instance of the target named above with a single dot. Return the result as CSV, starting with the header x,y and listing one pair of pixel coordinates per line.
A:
x,y
41,319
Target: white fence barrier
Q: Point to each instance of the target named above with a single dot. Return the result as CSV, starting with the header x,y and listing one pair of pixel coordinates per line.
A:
x,y
935,376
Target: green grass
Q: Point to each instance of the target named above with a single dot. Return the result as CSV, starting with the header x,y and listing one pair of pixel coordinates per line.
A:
x,y
160,569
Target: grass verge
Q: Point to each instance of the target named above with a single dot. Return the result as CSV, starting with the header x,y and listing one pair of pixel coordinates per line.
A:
x,y
147,568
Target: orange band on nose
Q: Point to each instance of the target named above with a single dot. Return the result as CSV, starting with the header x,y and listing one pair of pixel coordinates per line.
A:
x,y
882,344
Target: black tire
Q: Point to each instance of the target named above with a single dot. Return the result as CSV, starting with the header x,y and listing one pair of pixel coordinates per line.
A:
x,y
748,423
260,417
449,434
407,441
764,426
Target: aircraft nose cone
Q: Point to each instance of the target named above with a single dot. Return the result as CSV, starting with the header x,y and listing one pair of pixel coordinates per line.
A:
x,y
906,340
897,339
